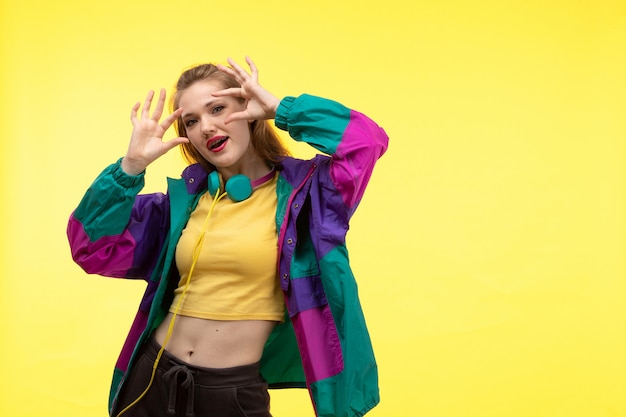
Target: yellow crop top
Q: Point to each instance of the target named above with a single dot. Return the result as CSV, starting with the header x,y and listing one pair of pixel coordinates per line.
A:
x,y
235,274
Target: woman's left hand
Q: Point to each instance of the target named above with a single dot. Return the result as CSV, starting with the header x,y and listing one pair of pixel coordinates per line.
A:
x,y
260,103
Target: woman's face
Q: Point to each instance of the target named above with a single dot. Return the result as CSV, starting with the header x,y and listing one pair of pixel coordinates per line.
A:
x,y
227,147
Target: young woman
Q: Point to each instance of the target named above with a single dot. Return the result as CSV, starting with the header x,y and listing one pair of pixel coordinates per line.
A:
x,y
248,280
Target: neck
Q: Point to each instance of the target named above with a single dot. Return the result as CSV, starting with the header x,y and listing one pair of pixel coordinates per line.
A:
x,y
253,169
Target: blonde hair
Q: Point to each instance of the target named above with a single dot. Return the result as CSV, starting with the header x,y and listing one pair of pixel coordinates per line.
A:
x,y
263,137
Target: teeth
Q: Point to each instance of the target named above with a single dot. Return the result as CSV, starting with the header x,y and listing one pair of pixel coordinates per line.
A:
x,y
217,143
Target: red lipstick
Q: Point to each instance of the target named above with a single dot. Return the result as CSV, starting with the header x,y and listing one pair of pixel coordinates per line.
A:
x,y
217,143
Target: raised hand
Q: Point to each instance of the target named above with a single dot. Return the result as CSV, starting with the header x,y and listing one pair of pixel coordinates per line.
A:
x,y
260,103
146,142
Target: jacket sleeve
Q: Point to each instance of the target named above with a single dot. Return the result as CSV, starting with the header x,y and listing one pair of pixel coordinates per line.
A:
x,y
114,231
354,141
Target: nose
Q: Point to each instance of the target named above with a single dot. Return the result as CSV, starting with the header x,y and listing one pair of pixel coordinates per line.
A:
x,y
207,127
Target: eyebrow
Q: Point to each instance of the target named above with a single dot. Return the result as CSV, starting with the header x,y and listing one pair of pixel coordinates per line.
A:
x,y
207,104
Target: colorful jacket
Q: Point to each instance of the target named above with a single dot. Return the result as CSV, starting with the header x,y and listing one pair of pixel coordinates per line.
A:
x,y
323,344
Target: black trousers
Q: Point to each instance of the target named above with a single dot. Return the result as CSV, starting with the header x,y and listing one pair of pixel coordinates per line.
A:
x,y
184,390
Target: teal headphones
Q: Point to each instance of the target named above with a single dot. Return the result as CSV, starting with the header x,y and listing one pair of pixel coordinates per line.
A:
x,y
238,187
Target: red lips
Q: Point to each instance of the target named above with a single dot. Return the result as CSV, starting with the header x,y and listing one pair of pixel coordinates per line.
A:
x,y
217,143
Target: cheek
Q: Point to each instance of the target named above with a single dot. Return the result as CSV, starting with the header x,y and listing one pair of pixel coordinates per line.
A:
x,y
195,139
244,131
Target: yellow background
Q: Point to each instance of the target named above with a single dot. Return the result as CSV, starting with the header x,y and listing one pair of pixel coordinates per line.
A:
x,y
489,247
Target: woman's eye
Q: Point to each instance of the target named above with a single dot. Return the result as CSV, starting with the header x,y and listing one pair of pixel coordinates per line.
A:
x,y
190,123
217,109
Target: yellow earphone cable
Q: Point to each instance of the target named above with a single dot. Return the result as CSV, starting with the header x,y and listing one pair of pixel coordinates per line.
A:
x,y
196,255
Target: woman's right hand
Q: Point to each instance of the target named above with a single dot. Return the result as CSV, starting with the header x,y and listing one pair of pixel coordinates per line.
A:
x,y
146,142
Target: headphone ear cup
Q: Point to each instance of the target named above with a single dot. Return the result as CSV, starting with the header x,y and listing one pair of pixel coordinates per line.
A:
x,y
214,183
238,188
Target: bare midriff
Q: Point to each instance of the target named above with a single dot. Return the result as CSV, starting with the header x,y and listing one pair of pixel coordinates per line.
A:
x,y
215,343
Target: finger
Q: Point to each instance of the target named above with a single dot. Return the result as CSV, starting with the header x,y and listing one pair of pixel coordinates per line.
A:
x,y
169,120
133,112
228,71
158,111
234,65
240,71
253,69
172,143
240,115
146,105
233,91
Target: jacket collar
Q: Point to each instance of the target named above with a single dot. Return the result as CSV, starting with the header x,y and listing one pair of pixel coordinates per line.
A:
x,y
292,169
196,178
295,170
